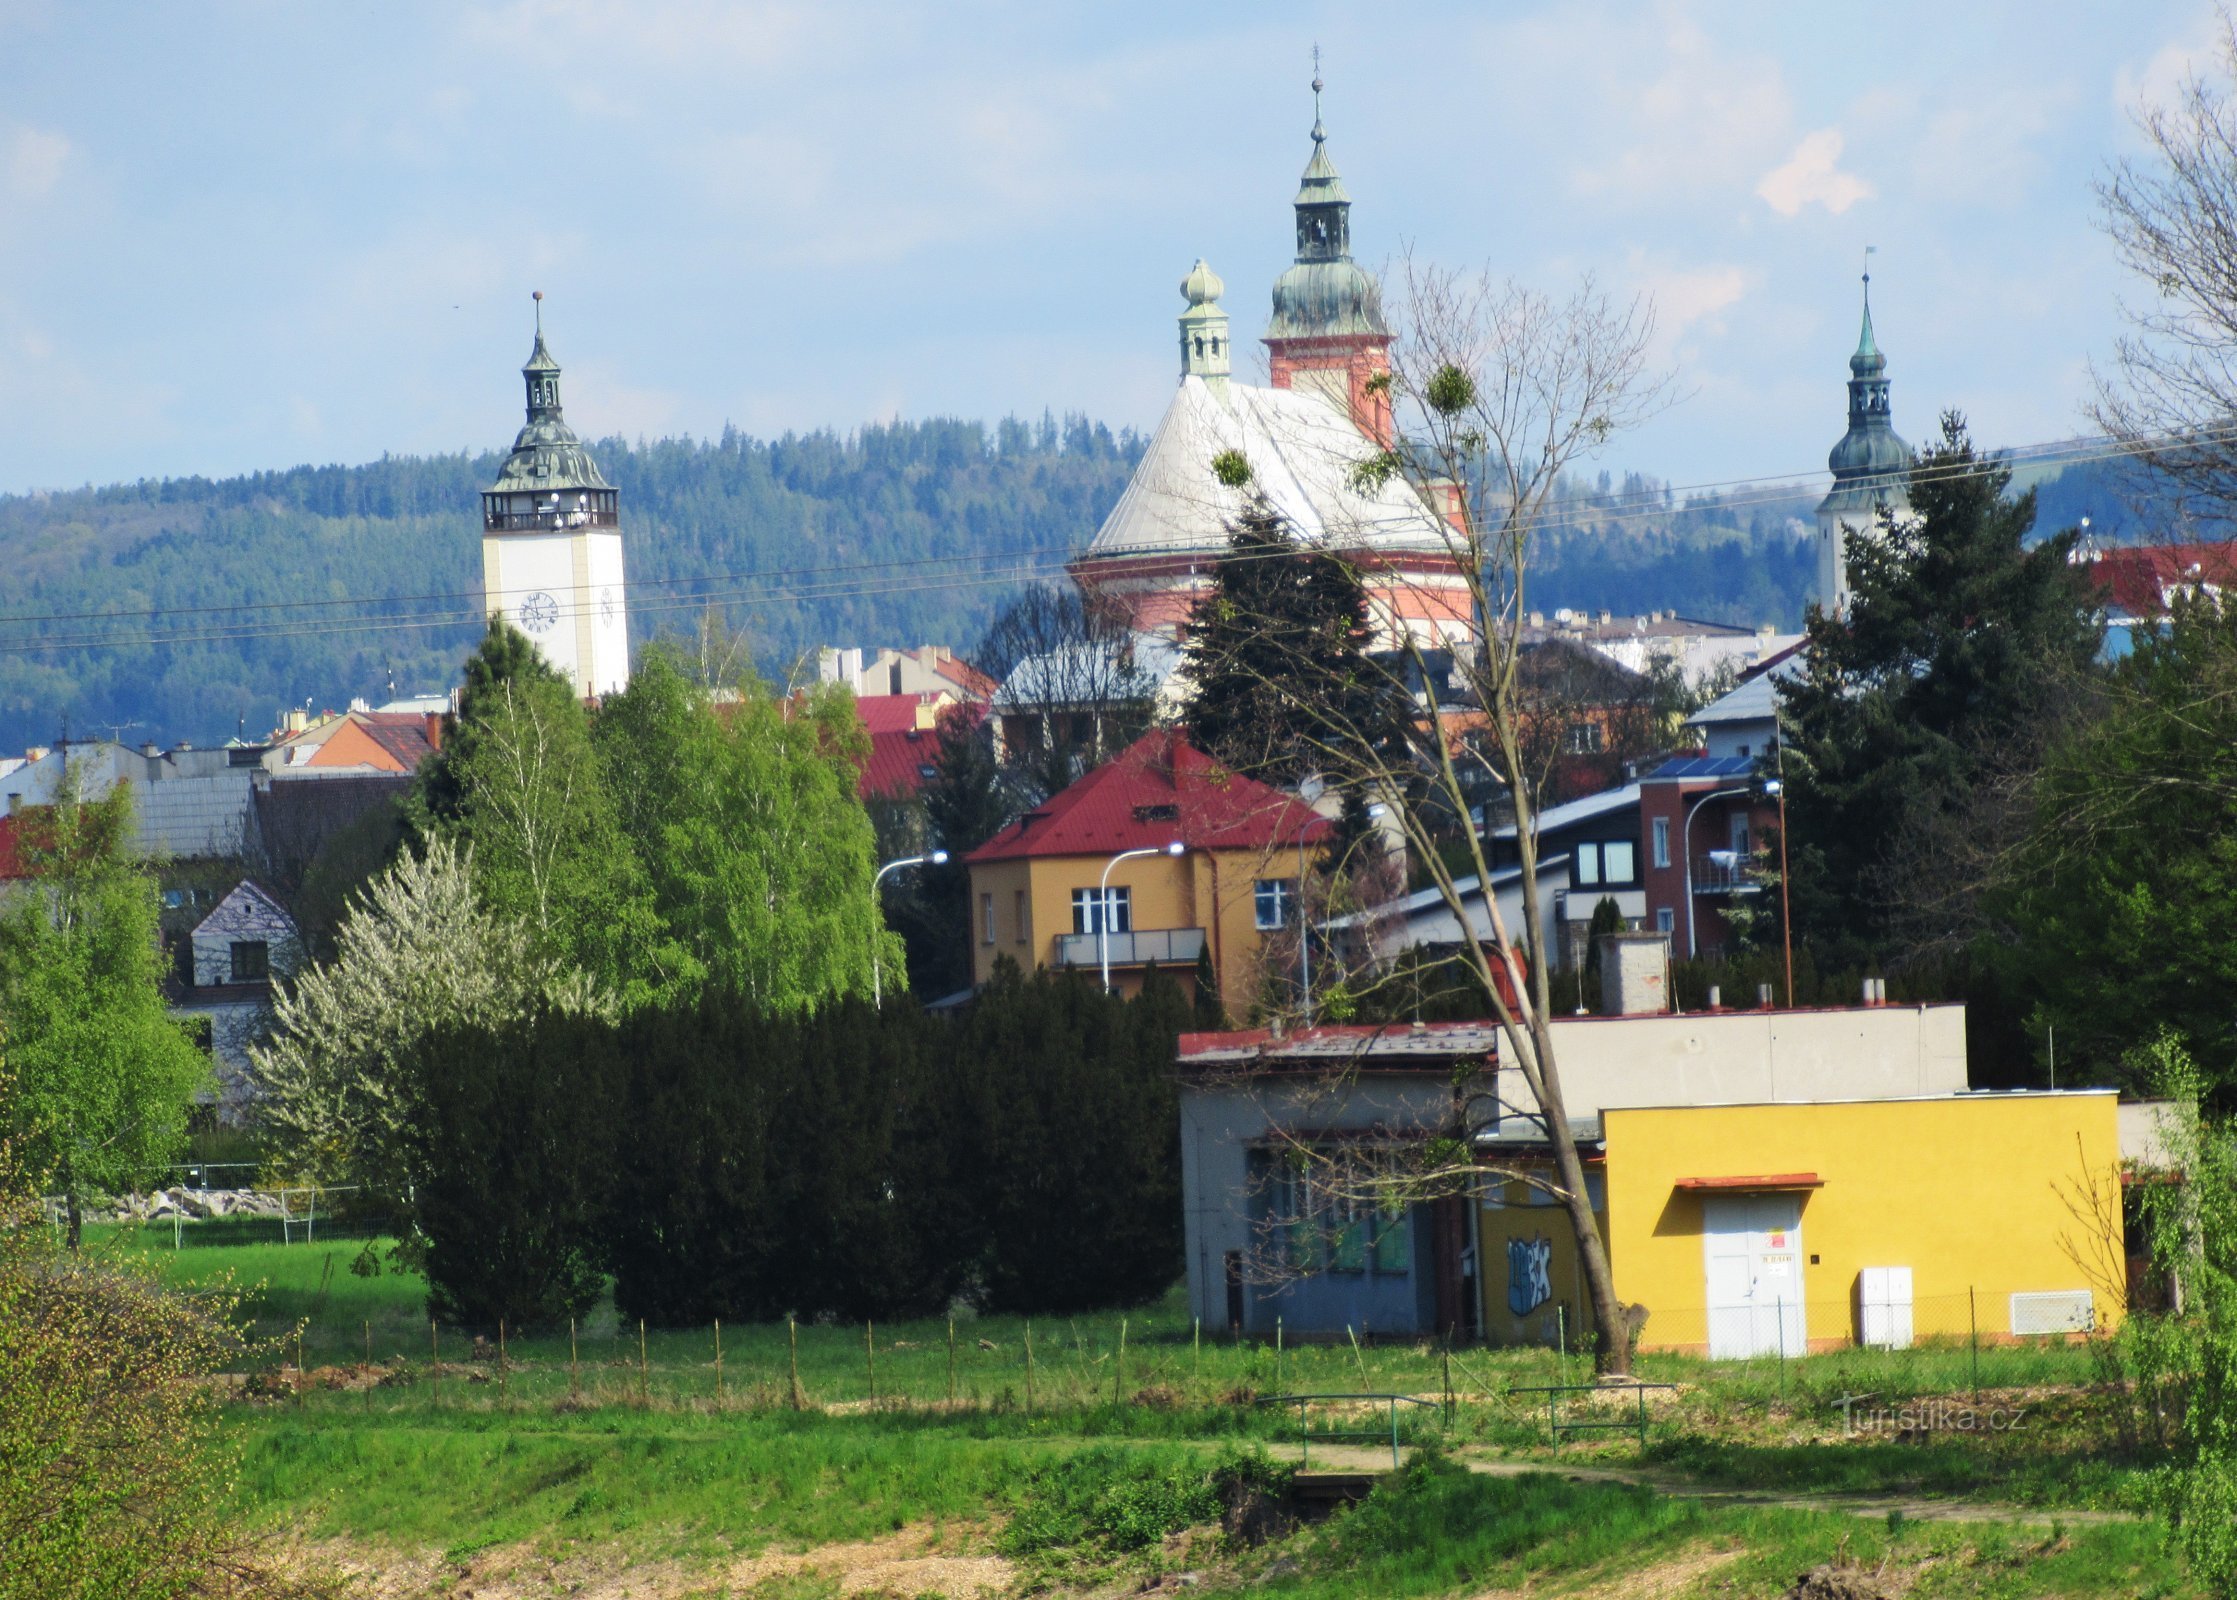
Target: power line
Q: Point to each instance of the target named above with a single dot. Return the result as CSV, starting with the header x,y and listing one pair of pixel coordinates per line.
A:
x,y
932,573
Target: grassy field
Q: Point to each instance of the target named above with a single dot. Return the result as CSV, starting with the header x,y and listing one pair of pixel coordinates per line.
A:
x,y
698,1479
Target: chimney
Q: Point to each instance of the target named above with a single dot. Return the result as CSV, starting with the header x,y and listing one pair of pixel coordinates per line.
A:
x,y
1634,974
435,730
151,748
928,712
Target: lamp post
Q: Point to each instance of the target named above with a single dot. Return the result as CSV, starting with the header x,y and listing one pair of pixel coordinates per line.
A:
x,y
1685,854
1103,900
938,858
1786,912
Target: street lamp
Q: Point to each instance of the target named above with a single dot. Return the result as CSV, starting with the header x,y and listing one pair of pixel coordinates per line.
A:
x,y
1685,854
1103,900
938,858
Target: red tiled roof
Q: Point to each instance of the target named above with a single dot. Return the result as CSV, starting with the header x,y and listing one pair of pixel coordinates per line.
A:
x,y
11,865
974,683
2142,580
403,734
902,751
1158,790
890,713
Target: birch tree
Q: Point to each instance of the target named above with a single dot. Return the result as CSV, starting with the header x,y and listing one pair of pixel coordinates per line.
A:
x,y
1498,390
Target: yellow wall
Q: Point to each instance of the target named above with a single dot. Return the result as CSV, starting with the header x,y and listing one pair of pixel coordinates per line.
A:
x,y
1979,1195
1568,1308
1211,890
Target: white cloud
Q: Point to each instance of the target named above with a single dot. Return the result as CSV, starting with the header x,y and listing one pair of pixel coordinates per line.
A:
x,y
34,162
2159,81
1689,299
1813,176
1703,122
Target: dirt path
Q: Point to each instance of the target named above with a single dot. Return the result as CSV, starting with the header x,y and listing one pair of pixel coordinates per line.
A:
x,y
1917,1508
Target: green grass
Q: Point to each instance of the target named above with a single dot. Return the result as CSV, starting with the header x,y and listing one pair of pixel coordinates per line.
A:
x,y
1437,1530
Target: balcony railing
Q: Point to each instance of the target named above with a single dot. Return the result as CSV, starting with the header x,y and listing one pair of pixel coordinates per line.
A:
x,y
1168,947
1726,872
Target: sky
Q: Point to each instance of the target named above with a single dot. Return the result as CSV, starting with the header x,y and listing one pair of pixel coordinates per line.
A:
x,y
243,234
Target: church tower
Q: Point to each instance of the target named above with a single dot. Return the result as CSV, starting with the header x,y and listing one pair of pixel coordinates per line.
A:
x,y
1327,332
1204,344
1871,468
551,542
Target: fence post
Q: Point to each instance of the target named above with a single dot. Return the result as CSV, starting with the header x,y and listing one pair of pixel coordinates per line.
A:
x,y
718,1362
870,1360
504,1402
368,1363
951,1358
1973,1320
1781,1303
435,1343
1561,1343
799,1395
574,1364
301,1375
1196,1347
1118,1372
1278,1355
1029,1363
644,1370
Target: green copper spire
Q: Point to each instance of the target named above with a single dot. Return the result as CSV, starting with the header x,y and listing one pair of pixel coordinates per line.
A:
x,y
1870,459
1867,362
1205,349
546,454
1325,293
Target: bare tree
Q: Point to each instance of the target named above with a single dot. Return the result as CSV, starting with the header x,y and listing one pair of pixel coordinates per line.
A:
x,y
1497,390
1075,688
2171,392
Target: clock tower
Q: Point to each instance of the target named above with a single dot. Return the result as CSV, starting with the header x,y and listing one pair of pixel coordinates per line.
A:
x,y
551,542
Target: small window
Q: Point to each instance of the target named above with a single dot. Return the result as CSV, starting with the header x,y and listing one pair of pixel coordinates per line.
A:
x,y
1619,859
1739,827
1587,738
1117,907
926,772
1662,841
252,961
1588,864
1394,1243
1025,928
1273,899
986,914
1347,1236
173,899
1743,750
1665,920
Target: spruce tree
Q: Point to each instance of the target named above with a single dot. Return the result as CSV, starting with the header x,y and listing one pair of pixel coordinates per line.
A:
x,y
1277,663
1962,648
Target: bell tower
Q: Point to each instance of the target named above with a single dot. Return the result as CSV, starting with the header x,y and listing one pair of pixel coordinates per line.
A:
x,y
551,541
1871,468
1204,345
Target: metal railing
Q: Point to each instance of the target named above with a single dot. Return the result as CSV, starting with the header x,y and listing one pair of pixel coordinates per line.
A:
x,y
1726,872
1305,1434
1555,1427
1139,947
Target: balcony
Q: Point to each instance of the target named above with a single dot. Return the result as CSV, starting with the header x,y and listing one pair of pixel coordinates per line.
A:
x,y
1168,947
1726,872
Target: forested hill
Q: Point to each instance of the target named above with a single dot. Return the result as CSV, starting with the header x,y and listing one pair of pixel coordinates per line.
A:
x,y
257,584
854,518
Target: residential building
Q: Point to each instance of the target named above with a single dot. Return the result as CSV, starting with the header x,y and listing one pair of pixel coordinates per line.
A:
x,y
235,954
929,669
1093,695
1699,652
2140,585
1705,821
1160,857
904,734
1597,840
187,802
1871,468
1302,437
551,542
1744,721
366,741
1766,1181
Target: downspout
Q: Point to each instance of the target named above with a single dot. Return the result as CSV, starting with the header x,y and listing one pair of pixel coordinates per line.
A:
x,y
1219,961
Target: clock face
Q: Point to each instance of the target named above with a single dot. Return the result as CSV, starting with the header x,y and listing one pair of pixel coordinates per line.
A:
x,y
538,612
608,607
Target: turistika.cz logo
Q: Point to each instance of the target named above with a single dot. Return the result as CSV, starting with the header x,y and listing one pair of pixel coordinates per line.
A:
x,y
1927,1416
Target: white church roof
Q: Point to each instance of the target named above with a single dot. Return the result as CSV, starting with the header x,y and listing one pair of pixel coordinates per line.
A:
x,y
1302,451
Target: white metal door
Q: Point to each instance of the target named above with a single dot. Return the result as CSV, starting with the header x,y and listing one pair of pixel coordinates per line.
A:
x,y
1752,1250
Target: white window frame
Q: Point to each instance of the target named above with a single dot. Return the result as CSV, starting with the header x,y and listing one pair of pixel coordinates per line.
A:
x,y
1282,892
1116,904
1607,865
1662,841
986,912
1588,865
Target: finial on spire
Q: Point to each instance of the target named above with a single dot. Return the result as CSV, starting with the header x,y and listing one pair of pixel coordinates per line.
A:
x,y
537,295
1319,136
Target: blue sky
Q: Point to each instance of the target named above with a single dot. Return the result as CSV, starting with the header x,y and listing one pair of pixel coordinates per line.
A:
x,y
242,233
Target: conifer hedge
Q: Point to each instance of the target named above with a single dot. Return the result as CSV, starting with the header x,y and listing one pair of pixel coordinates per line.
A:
x,y
853,1162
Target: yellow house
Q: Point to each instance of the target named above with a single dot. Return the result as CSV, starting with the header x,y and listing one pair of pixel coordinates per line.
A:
x,y
1754,1229
1159,858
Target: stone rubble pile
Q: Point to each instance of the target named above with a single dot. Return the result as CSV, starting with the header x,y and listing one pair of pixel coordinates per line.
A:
x,y
195,1203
